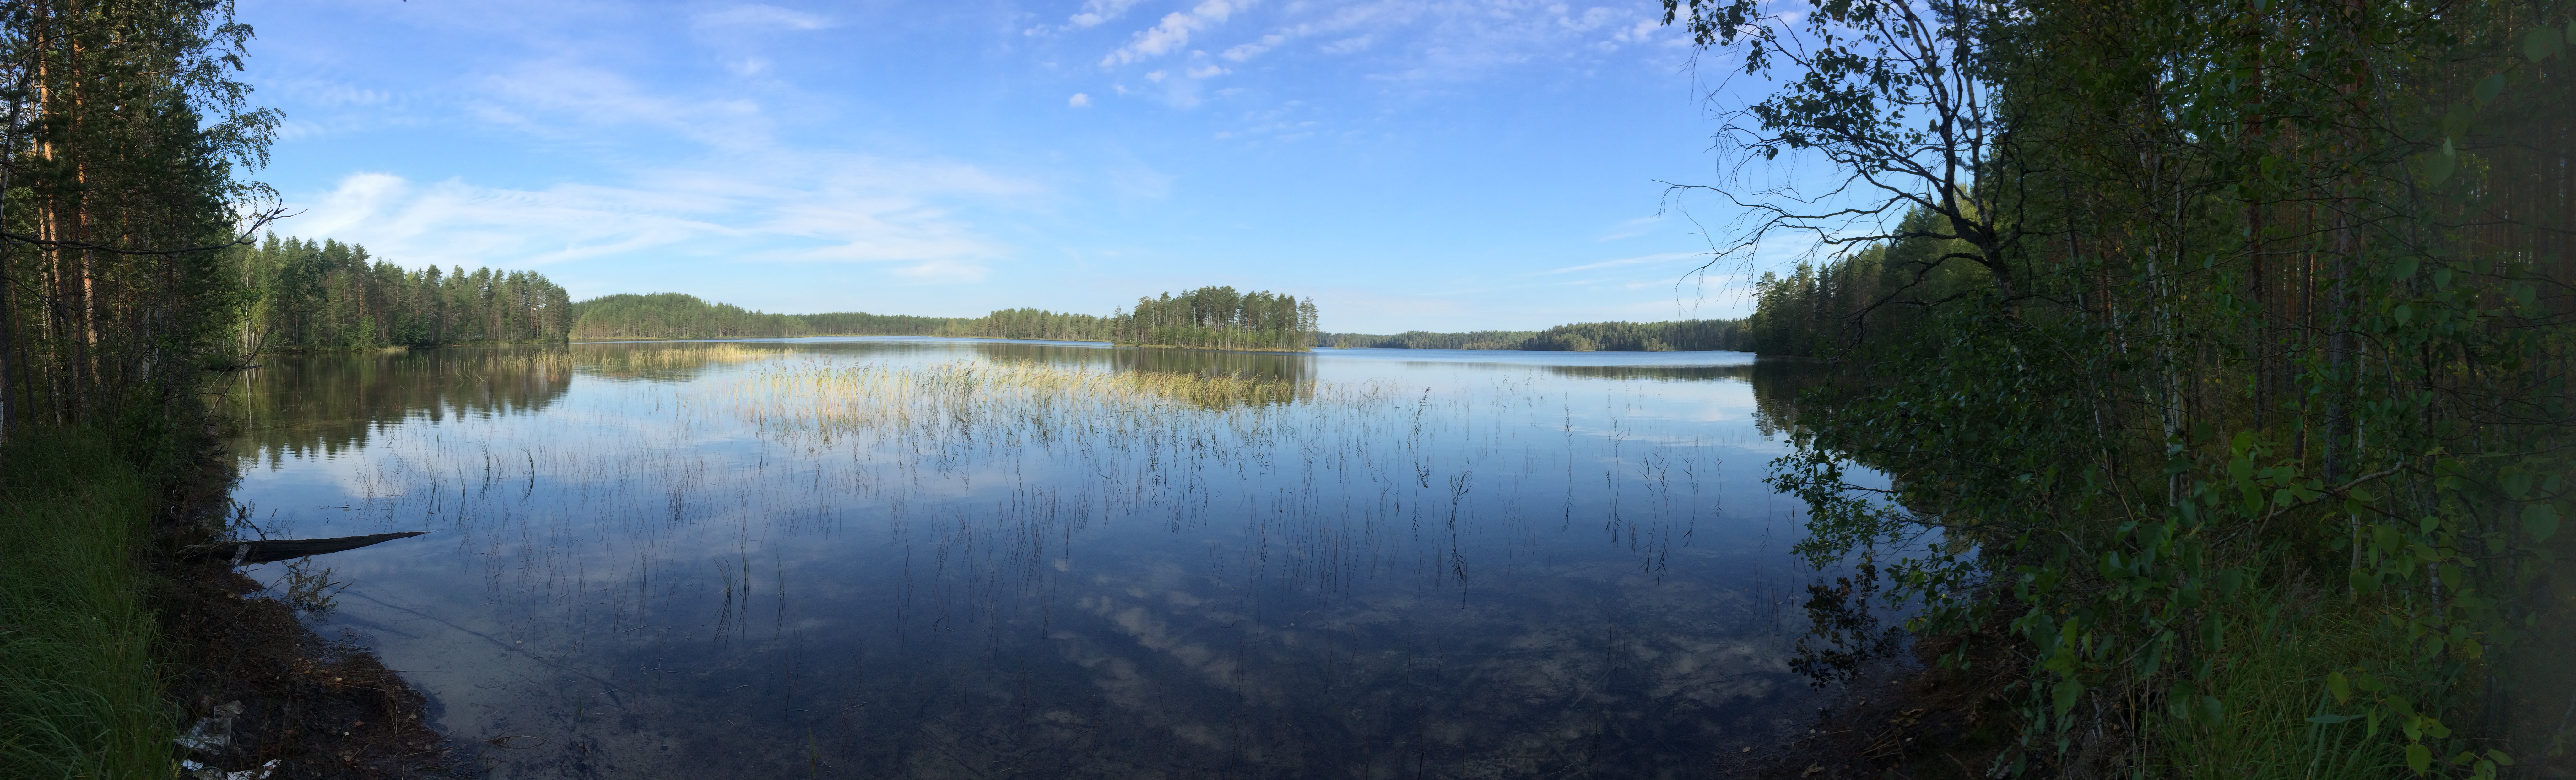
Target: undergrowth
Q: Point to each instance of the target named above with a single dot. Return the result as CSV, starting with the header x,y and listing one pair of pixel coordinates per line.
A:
x,y
79,693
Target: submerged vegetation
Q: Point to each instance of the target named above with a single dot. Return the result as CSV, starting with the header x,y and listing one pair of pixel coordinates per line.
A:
x,y
1041,401
2221,354
803,553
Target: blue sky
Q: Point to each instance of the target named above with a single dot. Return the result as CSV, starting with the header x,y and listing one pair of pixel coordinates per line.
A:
x,y
1409,165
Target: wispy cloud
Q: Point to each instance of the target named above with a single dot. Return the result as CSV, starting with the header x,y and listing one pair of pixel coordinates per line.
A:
x,y
1173,32
1631,228
1097,12
566,100
1659,257
817,208
758,16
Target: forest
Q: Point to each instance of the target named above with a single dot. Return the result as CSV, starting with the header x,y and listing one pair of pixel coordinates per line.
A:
x,y
2218,358
1219,318
683,316
297,295
1668,336
125,139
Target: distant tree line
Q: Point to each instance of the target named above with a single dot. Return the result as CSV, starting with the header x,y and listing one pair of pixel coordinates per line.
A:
x,y
683,316
1822,308
301,296
1219,318
1677,335
1423,339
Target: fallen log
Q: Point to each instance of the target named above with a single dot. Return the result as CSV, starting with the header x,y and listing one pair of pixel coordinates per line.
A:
x,y
271,550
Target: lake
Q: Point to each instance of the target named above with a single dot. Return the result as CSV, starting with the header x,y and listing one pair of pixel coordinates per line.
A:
x,y
887,557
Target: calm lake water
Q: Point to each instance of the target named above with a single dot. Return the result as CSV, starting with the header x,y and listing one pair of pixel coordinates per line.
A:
x,y
954,558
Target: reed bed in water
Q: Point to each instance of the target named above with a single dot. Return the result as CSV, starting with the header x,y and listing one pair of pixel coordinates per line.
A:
x,y
665,360
1040,401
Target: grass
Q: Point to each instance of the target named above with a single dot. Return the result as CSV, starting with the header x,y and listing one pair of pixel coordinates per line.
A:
x,y
2273,678
79,693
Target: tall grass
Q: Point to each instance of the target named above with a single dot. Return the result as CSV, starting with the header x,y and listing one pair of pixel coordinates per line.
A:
x,y
2288,639
79,695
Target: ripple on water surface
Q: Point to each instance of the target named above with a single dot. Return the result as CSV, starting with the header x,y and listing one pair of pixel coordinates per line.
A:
x,y
948,558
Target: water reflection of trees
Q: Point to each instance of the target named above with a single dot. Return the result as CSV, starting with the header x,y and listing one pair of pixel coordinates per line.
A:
x,y
1777,382
302,404
1743,371
1206,378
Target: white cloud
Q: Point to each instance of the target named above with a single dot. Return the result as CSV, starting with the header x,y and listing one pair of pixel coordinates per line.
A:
x,y
1173,33
1079,100
1245,51
758,16
815,207
1659,257
573,101
1346,45
1096,12
1631,228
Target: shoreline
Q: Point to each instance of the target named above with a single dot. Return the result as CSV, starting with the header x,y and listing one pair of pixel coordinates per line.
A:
x,y
261,689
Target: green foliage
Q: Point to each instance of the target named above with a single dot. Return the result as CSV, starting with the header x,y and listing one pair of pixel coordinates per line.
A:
x,y
1039,324
1423,339
79,693
1670,336
124,129
1884,289
1219,318
681,316
2218,324
300,296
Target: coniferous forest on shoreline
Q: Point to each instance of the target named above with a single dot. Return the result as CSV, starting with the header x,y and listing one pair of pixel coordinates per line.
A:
x,y
2212,367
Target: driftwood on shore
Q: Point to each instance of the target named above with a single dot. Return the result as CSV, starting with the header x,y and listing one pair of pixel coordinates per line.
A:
x,y
271,550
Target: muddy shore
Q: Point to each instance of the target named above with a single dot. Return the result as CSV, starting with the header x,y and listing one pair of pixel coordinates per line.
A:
x,y
261,696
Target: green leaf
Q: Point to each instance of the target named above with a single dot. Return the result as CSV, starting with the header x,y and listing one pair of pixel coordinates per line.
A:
x,y
2418,758
2540,520
2331,719
2500,758
2488,88
2541,43
2403,313
2403,269
2213,710
2066,694
2437,167
2341,688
